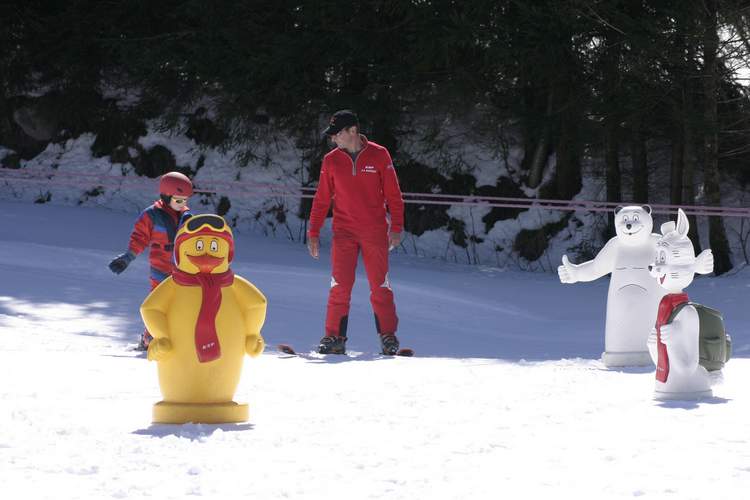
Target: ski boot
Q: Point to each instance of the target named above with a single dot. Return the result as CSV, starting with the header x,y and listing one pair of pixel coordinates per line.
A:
x,y
331,344
389,344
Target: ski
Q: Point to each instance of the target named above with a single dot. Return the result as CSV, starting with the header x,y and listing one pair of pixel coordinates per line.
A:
x,y
289,351
286,349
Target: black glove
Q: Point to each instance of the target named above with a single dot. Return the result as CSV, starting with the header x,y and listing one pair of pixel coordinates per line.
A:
x,y
121,262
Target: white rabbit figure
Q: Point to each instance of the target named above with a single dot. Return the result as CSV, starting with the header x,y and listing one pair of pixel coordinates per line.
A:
x,y
673,345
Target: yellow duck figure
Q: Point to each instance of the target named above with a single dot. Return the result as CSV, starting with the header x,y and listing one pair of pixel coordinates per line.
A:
x,y
203,319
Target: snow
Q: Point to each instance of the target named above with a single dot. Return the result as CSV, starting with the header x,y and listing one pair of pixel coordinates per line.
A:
x,y
506,397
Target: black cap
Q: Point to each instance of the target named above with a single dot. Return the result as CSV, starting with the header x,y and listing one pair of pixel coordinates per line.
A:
x,y
340,120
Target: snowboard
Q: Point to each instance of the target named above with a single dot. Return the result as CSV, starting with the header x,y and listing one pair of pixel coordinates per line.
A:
x,y
289,350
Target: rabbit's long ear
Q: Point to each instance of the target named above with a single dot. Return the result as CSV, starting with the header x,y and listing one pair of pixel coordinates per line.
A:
x,y
667,227
682,223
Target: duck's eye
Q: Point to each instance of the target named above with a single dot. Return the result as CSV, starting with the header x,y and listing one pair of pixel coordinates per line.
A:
x,y
214,246
199,245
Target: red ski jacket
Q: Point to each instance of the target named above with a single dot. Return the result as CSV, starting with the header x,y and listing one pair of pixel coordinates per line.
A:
x,y
360,192
156,228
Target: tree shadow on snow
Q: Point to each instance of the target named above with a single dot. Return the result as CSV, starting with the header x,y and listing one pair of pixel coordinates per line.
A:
x,y
96,304
190,431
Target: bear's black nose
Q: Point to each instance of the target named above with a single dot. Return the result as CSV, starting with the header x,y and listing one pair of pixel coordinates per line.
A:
x,y
628,225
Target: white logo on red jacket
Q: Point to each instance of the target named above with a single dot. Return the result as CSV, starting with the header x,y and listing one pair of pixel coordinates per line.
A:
x,y
369,169
386,282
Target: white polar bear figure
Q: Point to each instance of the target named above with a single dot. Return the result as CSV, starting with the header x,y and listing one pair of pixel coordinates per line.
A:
x,y
673,345
633,294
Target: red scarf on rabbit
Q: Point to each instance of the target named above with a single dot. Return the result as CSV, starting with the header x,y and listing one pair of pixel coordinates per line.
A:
x,y
666,306
206,340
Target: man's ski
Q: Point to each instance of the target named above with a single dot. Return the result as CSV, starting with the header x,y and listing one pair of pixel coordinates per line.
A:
x,y
286,349
289,350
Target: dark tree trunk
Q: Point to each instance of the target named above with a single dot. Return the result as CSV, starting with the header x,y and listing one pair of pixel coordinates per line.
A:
x,y
541,149
676,170
568,144
639,159
688,179
611,123
688,155
717,236
612,162
5,126
568,169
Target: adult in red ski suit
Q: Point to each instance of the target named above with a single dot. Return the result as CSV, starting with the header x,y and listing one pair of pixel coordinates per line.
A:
x,y
155,229
358,177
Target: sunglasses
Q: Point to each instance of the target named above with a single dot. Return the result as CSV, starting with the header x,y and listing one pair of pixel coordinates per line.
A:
x,y
198,221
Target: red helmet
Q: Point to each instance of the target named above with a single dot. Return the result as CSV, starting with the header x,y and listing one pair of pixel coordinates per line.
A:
x,y
175,183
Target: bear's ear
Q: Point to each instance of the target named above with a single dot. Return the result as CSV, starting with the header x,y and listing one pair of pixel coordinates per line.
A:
x,y
618,208
647,208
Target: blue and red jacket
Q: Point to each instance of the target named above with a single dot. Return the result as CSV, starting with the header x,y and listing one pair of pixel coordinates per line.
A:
x,y
156,228
360,192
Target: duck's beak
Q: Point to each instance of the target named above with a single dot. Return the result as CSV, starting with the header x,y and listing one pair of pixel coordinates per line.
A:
x,y
205,263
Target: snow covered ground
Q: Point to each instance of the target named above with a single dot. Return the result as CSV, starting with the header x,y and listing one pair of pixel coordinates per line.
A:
x,y
506,398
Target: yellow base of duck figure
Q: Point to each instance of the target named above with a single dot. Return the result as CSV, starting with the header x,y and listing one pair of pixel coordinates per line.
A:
x,y
204,319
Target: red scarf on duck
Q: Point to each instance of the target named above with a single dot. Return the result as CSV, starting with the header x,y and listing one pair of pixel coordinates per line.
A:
x,y
206,340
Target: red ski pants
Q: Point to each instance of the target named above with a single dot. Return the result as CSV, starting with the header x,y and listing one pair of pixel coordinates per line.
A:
x,y
345,251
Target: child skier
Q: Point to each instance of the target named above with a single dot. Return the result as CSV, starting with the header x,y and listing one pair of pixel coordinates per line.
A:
x,y
155,228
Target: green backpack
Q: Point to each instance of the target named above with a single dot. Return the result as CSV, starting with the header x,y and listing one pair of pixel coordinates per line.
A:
x,y
714,343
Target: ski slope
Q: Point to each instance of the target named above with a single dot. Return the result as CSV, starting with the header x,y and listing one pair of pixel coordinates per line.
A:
x,y
505,399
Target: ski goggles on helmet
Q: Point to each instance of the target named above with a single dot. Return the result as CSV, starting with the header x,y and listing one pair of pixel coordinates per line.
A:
x,y
209,221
